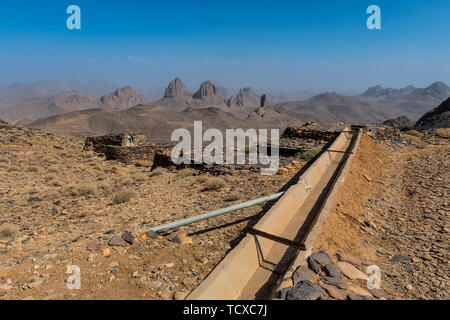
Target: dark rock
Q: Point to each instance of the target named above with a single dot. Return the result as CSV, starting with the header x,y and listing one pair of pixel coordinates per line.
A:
x,y
283,293
110,232
321,258
333,270
314,265
117,241
305,290
400,258
379,293
34,199
152,234
128,237
358,297
436,118
302,273
337,282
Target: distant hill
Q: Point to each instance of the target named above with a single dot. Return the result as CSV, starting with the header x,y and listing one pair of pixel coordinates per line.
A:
x,y
411,102
376,104
122,99
332,107
33,109
156,122
378,91
16,92
436,118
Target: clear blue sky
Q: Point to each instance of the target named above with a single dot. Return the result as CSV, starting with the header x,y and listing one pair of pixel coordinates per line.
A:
x,y
265,44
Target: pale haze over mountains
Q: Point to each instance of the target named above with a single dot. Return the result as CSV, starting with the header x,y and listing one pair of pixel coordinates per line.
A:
x,y
57,107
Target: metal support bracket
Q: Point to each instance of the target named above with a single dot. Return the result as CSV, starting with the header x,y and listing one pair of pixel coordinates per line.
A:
x,y
278,239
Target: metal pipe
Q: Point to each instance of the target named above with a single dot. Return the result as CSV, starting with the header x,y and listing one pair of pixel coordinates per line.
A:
x,y
213,214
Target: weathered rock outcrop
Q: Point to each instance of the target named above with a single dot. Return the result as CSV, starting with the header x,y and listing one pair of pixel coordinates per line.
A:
x,y
265,110
175,88
436,118
400,122
247,98
122,99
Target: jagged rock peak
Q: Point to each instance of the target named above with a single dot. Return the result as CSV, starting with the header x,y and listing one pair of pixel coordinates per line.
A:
x,y
207,89
124,97
175,88
265,102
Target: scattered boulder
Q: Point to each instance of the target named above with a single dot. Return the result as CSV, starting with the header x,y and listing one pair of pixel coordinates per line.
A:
x,y
128,237
301,274
305,290
117,241
333,270
318,260
337,282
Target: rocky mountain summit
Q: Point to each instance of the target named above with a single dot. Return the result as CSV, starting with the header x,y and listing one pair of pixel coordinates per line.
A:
x,y
265,110
378,91
208,95
245,98
122,99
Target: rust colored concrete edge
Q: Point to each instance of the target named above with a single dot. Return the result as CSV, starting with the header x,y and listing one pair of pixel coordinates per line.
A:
x,y
228,278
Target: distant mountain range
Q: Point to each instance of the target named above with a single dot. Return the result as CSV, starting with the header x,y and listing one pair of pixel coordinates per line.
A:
x,y
79,113
177,98
376,104
32,109
16,92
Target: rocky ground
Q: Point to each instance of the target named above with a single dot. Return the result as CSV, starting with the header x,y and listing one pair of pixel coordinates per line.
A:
x,y
393,211
61,207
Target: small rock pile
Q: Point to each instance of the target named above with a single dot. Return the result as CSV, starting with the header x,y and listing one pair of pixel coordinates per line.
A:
x,y
324,279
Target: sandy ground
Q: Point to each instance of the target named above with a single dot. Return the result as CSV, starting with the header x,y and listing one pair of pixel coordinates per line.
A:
x,y
56,201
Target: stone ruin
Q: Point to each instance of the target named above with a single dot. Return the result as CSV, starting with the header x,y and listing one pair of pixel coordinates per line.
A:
x,y
124,147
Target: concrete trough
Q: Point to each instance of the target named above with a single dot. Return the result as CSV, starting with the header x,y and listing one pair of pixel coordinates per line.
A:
x,y
253,268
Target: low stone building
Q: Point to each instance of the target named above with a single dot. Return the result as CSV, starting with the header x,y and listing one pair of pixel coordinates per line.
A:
x,y
121,140
124,147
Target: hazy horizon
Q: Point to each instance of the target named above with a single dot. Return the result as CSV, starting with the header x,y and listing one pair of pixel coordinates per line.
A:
x,y
282,46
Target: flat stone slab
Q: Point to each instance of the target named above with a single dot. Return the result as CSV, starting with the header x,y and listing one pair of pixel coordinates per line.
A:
x,y
337,282
335,292
117,241
333,270
305,290
347,257
302,273
351,272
